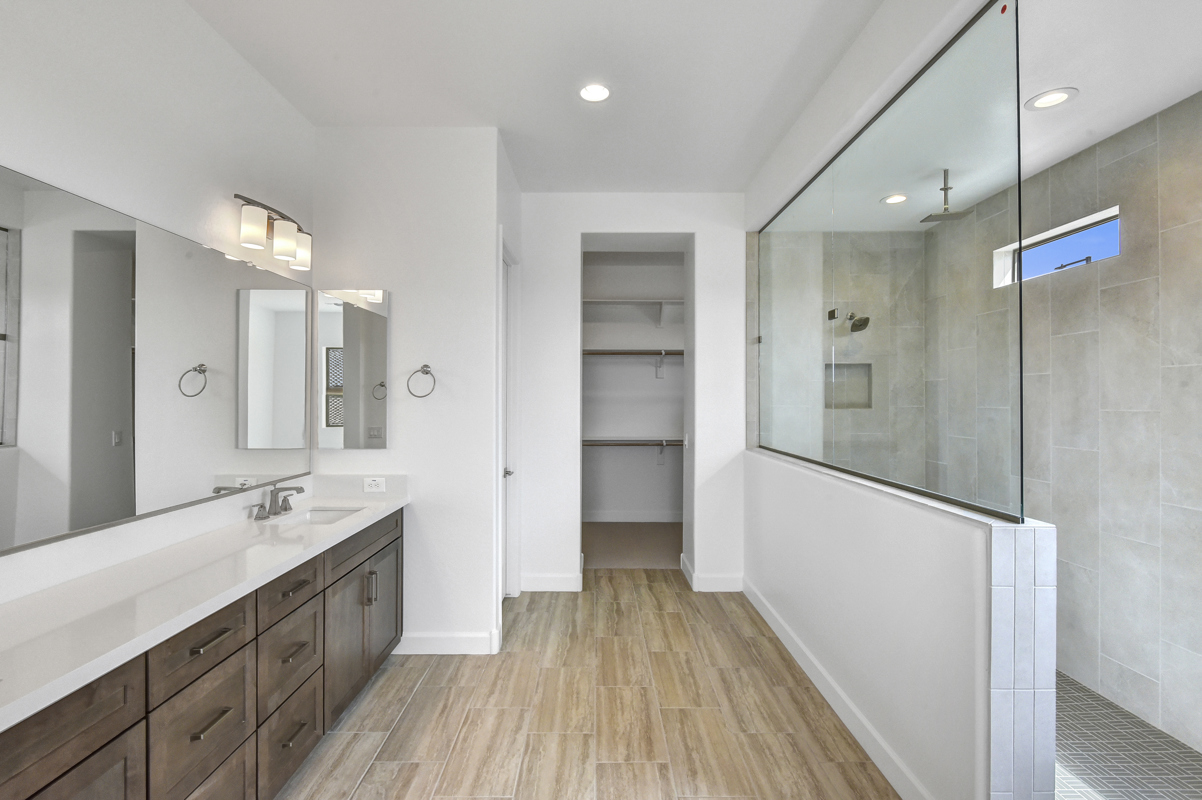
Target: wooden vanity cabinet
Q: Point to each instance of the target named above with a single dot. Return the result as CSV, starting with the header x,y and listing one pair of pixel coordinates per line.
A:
x,y
116,771
43,747
363,624
229,708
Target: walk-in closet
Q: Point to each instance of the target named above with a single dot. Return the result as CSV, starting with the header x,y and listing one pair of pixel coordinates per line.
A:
x,y
634,379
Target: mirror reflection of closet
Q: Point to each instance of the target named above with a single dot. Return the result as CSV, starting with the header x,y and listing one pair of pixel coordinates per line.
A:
x,y
352,350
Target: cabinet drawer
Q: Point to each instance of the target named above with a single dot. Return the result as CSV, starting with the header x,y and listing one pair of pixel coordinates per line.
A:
x,y
289,735
115,772
346,555
193,732
189,654
289,653
43,747
289,592
233,780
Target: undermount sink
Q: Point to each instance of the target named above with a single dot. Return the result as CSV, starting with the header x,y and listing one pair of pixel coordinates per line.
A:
x,y
318,516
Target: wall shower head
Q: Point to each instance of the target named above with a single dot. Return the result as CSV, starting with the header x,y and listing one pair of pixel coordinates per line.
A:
x,y
858,323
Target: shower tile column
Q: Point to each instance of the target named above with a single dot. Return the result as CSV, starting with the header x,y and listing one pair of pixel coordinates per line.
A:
x,y
1023,662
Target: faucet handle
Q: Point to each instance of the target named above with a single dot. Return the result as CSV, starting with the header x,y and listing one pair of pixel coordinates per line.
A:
x,y
261,511
285,504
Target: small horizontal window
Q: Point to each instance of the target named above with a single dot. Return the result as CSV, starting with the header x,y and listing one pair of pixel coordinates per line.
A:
x,y
1084,241
1070,250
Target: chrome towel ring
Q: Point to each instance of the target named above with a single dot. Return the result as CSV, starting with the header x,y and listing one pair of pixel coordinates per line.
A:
x,y
380,385
424,370
200,369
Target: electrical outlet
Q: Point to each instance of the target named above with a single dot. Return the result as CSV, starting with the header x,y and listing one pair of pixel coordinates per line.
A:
x,y
373,484
375,433
242,483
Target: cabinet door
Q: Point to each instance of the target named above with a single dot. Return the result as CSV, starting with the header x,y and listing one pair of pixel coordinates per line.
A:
x,y
115,772
345,667
383,605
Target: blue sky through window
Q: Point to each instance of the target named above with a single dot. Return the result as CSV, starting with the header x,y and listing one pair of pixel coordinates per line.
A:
x,y
1096,242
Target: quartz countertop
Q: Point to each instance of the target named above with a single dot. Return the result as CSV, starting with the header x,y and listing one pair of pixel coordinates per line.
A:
x,y
57,640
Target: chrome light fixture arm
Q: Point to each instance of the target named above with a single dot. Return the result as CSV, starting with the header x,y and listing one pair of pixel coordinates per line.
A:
x,y
275,212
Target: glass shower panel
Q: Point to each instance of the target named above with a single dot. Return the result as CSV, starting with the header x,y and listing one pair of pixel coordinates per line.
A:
x,y
885,349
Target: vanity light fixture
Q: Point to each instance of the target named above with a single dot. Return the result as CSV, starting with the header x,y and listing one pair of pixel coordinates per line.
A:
x,y
1051,98
290,242
304,252
594,93
284,242
893,199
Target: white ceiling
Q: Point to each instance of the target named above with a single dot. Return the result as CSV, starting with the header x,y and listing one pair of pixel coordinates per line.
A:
x,y
1129,59
702,89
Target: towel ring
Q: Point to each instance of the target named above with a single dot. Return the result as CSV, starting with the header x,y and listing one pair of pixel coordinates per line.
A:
x,y
380,385
201,369
425,370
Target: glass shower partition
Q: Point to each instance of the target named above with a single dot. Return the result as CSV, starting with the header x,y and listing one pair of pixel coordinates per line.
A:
x,y
890,339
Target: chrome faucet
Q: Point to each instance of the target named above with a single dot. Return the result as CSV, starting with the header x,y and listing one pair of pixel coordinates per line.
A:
x,y
280,505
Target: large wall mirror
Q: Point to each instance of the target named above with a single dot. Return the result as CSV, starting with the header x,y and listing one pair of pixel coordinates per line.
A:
x,y
352,345
124,363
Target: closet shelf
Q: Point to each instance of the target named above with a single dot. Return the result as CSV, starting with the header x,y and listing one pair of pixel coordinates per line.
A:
x,y
659,352
635,301
633,442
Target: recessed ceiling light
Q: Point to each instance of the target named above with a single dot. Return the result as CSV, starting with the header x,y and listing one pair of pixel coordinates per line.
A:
x,y
894,199
1050,98
594,93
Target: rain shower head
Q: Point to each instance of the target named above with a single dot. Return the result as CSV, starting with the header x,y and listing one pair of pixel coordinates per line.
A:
x,y
947,215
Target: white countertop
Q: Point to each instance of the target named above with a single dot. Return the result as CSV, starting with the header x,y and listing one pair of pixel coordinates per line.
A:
x,y
56,640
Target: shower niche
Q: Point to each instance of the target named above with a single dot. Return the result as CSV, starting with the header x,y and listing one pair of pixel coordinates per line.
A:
x,y
849,386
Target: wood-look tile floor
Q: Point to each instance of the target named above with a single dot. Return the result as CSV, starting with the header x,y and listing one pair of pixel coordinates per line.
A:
x,y
636,688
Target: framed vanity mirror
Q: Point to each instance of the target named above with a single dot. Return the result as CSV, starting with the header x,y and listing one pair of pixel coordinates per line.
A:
x,y
121,369
352,371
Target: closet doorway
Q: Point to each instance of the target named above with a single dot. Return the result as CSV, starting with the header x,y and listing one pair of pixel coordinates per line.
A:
x,y
633,378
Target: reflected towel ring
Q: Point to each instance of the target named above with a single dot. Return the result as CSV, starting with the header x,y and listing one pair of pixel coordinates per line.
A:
x,y
201,369
380,385
425,370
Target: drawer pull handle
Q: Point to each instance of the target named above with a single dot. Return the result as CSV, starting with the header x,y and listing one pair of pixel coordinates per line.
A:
x,y
299,730
373,587
300,648
218,638
207,729
296,588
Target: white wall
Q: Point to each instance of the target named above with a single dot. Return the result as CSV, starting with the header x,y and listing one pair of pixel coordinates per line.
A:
x,y
895,44
550,424
884,600
414,211
174,335
140,105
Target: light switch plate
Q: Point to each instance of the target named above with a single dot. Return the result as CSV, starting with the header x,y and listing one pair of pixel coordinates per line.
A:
x,y
373,485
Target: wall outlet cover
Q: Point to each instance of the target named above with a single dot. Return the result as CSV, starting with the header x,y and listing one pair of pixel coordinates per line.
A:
x,y
375,433
373,485
244,482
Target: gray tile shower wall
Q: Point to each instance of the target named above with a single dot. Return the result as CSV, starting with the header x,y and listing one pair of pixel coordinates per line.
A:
x,y
1112,353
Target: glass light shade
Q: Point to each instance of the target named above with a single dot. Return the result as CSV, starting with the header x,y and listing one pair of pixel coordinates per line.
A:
x,y
284,240
304,252
254,227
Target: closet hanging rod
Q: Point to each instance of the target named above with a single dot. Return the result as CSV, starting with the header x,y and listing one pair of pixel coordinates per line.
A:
x,y
634,352
633,442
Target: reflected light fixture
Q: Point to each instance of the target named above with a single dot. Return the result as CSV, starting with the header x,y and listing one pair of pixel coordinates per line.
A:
x,y
289,241
594,93
893,199
1051,98
232,258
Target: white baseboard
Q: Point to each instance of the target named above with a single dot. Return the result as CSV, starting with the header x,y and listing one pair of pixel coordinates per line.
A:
x,y
632,516
886,759
710,582
544,582
476,643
